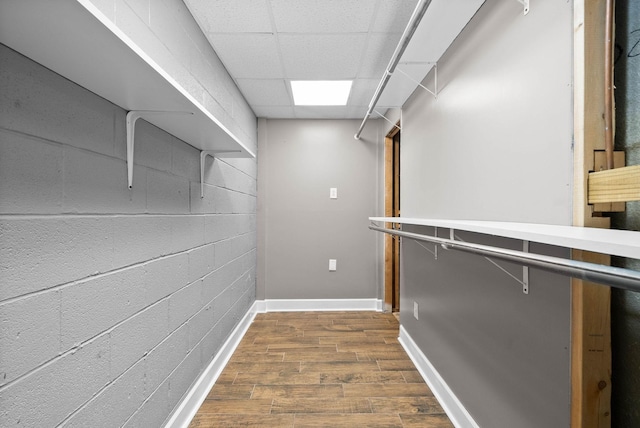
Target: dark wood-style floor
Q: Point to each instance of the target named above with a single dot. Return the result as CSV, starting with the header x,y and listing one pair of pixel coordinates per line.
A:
x,y
321,369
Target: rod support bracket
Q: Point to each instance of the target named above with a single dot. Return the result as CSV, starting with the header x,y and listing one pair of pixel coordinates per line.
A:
x,y
433,92
525,4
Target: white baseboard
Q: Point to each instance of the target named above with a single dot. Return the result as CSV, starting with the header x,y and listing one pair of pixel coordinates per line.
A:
x,y
187,409
298,305
448,400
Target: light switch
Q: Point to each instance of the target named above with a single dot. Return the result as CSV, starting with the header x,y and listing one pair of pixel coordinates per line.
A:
x,y
332,264
333,193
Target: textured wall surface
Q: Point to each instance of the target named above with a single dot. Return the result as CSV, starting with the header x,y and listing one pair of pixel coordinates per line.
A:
x,y
301,228
113,300
625,305
494,145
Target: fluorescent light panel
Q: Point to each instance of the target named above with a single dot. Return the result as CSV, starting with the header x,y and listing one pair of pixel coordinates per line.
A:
x,y
320,92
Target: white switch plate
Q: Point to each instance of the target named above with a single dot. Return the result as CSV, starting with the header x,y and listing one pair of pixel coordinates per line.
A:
x,y
333,193
332,264
415,310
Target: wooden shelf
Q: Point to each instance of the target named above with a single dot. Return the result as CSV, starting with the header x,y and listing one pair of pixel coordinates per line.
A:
x,y
77,41
623,243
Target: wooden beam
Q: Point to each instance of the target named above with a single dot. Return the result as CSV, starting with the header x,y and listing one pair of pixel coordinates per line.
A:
x,y
590,313
615,185
600,164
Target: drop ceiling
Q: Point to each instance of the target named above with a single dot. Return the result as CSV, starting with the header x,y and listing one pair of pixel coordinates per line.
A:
x,y
264,44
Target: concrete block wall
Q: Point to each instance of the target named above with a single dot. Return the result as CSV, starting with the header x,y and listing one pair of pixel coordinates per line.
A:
x,y
112,301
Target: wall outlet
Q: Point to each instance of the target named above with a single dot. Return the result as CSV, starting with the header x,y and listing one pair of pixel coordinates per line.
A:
x,y
333,193
332,264
415,310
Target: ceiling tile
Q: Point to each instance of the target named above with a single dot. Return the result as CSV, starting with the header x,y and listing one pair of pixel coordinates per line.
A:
x,y
265,92
393,15
322,112
321,57
231,16
327,16
248,56
380,48
362,91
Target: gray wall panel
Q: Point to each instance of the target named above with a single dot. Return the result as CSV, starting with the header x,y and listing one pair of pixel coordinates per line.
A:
x,y
300,227
505,354
496,145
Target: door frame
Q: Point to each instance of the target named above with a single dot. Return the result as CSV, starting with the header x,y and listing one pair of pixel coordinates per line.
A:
x,y
391,201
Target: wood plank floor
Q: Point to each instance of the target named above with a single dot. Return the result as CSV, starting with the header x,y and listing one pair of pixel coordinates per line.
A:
x,y
321,369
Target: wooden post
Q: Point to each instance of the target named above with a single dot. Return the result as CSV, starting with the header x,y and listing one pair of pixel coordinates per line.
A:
x,y
590,317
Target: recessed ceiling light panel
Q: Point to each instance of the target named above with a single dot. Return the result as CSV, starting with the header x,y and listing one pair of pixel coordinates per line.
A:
x,y
320,92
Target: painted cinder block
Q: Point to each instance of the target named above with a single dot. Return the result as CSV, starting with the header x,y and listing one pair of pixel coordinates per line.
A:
x,y
221,201
153,146
247,165
167,193
219,226
154,411
219,173
201,261
242,244
95,305
212,342
227,298
186,232
224,252
59,250
185,303
185,161
80,249
29,334
95,183
48,395
132,339
165,276
140,8
184,376
107,7
115,404
30,175
162,360
40,103
199,325
139,239
217,281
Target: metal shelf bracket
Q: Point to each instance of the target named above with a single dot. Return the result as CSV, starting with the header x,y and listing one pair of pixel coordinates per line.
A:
x,y
525,269
525,3
132,118
203,156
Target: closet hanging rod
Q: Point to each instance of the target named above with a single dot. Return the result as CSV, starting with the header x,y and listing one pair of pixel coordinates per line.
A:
x,y
416,17
607,275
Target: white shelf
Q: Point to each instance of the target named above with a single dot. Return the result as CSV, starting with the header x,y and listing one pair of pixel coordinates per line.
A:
x,y
623,243
440,25
74,39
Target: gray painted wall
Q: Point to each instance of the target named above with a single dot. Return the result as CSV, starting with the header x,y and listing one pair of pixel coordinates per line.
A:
x,y
300,228
495,145
625,305
114,301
